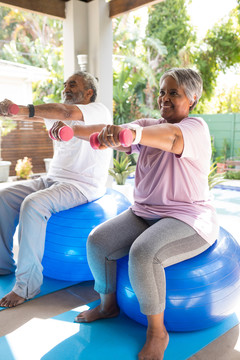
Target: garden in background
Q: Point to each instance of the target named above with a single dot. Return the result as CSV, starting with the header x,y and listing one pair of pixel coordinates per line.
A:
x,y
143,49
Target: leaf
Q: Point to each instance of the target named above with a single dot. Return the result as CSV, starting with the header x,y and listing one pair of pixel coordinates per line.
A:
x,y
121,170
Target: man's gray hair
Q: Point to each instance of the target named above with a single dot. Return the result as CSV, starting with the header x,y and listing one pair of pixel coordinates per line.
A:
x,y
189,80
90,82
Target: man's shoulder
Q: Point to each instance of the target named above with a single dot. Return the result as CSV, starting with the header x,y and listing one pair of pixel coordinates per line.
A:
x,y
96,113
93,105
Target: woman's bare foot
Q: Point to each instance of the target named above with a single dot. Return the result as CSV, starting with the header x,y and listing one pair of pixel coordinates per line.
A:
x,y
96,314
11,300
155,345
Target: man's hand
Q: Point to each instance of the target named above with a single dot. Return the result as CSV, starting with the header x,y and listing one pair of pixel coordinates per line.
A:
x,y
55,130
4,107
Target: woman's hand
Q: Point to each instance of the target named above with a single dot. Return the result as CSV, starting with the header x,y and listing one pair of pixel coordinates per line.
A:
x,y
109,137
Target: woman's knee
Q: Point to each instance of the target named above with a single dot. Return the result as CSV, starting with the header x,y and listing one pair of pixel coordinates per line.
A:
x,y
100,242
139,254
96,240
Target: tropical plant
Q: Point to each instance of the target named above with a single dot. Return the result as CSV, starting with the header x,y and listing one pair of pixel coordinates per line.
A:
x,y
170,23
213,149
36,40
122,169
134,78
217,52
233,175
224,100
214,177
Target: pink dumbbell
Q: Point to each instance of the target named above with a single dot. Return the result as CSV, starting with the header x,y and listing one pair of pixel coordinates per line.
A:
x,y
13,109
125,138
65,133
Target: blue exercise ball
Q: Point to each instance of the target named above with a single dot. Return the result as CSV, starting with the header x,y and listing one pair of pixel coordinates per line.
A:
x,y
201,292
67,231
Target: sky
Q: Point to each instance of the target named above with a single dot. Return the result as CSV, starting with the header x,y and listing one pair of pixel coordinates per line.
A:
x,y
205,13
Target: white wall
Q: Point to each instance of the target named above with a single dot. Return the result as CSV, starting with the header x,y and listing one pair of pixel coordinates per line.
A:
x,y
101,48
88,30
16,81
75,35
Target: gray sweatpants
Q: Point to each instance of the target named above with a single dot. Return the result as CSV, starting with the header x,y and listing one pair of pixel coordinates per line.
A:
x,y
30,203
151,246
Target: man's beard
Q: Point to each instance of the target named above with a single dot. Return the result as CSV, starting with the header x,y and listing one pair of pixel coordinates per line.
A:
x,y
75,98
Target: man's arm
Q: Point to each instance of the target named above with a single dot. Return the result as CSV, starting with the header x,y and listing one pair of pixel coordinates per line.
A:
x,y
80,131
61,112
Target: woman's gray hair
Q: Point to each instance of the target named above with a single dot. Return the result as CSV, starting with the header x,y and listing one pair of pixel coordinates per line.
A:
x,y
189,80
90,82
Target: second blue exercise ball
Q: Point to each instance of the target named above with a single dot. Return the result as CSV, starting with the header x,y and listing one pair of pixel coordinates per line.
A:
x,y
201,292
67,231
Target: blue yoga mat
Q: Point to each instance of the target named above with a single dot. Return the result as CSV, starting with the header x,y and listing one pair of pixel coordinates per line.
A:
x,y
119,338
49,285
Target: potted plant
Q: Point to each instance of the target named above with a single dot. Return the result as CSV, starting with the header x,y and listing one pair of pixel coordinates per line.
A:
x,y
122,169
23,168
47,162
220,165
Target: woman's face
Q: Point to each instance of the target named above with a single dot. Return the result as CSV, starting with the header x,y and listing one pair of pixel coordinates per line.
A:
x,y
172,101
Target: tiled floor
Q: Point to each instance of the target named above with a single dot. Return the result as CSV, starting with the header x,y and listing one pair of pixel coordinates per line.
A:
x,y
227,347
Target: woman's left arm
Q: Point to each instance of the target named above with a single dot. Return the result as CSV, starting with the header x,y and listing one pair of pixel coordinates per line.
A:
x,y
167,137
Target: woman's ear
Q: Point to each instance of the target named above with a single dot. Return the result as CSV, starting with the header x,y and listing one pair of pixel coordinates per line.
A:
x,y
193,101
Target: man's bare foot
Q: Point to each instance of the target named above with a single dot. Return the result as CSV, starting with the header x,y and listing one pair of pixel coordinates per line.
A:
x,y
11,300
155,346
96,314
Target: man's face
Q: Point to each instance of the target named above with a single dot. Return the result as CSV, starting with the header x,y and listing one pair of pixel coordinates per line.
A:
x,y
74,92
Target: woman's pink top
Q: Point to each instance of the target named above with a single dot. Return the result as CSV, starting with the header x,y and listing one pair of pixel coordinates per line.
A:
x,y
168,185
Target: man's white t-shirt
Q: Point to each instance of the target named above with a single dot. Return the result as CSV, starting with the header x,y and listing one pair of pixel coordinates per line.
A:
x,y
75,161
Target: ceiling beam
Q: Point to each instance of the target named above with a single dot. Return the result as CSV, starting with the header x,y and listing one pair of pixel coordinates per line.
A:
x,y
54,8
119,7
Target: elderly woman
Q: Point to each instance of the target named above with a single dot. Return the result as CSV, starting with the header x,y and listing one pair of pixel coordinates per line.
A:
x,y
172,218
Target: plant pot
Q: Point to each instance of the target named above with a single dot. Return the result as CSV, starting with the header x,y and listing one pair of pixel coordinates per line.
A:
x,y
4,170
126,189
221,167
47,163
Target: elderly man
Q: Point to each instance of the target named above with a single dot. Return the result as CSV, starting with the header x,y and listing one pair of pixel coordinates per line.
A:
x,y
77,175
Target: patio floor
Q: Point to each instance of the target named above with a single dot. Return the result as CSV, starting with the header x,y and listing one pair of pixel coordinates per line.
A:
x,y
226,347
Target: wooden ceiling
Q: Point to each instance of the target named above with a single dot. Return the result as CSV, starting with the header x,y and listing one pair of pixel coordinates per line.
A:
x,y
56,8
119,7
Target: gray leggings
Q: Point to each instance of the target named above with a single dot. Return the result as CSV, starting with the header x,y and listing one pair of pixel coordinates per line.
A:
x,y
151,246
